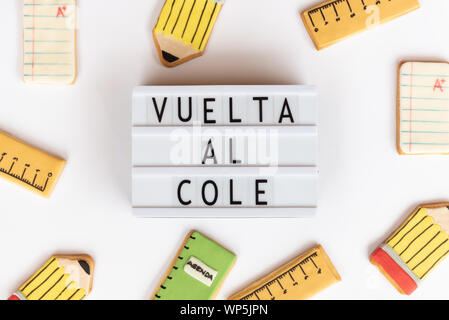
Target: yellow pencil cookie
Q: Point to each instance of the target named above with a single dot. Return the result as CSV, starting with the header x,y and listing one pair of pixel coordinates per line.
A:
x,y
29,167
183,29
415,248
61,278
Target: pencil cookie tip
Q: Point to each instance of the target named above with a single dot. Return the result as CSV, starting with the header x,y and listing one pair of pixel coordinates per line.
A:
x,y
87,265
168,58
62,277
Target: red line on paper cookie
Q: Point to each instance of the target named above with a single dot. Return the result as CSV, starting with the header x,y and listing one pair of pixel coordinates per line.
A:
x,y
34,40
411,102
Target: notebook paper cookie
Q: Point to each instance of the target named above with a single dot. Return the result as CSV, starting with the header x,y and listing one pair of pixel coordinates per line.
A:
x,y
423,108
198,271
49,48
336,20
183,29
61,278
299,279
29,167
415,248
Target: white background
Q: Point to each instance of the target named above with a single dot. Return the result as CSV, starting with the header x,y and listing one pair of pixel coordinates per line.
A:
x,y
366,188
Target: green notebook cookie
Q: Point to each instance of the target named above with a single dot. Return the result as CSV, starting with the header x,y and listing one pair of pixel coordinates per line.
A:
x,y
198,270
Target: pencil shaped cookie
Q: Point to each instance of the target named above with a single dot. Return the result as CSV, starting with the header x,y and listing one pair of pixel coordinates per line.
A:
x,y
61,278
299,279
415,248
29,167
49,48
423,108
183,29
198,270
335,20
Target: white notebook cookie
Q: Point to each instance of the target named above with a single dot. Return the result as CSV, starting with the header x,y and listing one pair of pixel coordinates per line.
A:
x,y
49,48
423,108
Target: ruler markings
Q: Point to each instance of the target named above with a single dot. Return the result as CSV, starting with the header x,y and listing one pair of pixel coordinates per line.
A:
x,y
21,177
284,274
321,11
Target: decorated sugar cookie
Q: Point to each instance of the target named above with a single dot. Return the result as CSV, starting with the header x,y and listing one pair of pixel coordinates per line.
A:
x,y
300,279
415,248
336,20
49,41
60,278
198,270
183,29
28,166
423,108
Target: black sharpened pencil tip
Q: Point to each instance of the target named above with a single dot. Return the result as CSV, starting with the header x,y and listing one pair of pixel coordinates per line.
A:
x,y
85,266
169,57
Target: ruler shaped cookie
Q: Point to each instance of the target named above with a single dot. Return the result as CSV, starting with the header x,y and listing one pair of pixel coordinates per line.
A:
x,y
299,279
49,41
29,167
415,248
198,270
335,20
62,277
183,29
